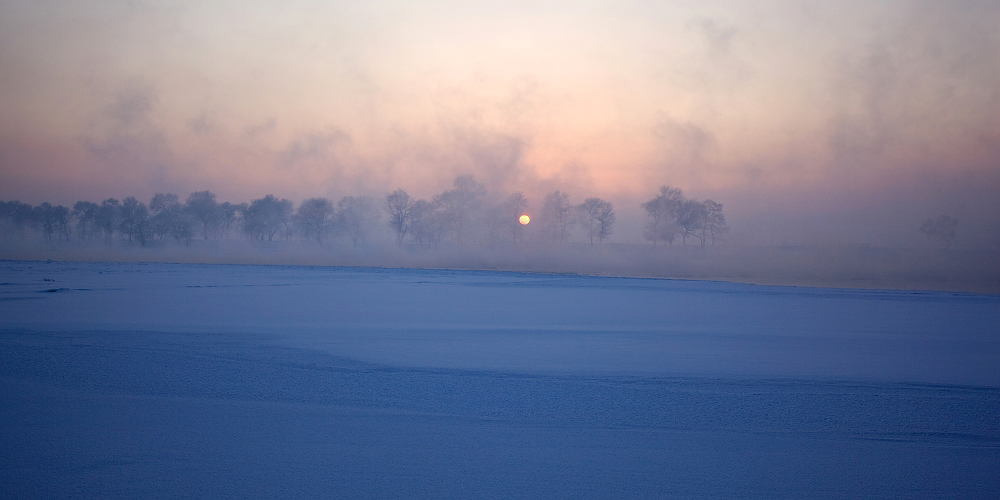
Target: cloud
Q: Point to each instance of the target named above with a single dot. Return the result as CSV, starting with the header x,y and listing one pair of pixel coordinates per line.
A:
x,y
718,65
684,151
261,128
201,124
495,158
131,107
719,39
735,99
314,147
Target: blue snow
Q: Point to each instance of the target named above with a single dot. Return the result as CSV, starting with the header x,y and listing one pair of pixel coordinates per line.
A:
x,y
227,381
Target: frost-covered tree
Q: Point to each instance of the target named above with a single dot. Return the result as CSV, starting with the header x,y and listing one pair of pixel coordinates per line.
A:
x,y
63,219
598,218
134,220
398,206
692,219
663,211
315,216
715,221
557,216
513,206
53,220
203,207
16,218
169,219
427,224
357,215
109,216
461,204
85,213
264,217
228,216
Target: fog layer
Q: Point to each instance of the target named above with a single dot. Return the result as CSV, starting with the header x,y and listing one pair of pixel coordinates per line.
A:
x,y
814,125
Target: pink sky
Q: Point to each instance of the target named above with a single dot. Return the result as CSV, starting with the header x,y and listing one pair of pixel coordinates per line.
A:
x,y
757,104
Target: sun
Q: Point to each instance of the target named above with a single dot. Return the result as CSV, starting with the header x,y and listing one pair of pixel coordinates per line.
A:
x,y
524,220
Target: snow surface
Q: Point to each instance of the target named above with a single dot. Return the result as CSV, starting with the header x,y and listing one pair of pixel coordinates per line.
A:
x,y
218,381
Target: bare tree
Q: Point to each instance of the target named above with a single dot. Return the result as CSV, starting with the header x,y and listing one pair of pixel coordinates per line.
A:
x,y
202,205
513,207
692,219
169,219
493,220
6,219
557,216
459,205
135,219
228,215
316,217
715,221
598,218
108,217
162,208
85,213
427,223
53,220
62,216
264,217
399,206
17,217
357,214
242,213
287,217
164,201
45,216
663,211
40,219
942,229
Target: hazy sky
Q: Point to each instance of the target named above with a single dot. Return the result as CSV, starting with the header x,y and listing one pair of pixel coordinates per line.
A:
x,y
763,105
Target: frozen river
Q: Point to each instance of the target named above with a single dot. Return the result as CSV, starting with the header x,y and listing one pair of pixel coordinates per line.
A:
x,y
213,381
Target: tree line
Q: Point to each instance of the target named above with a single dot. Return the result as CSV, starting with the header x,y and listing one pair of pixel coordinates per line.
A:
x,y
464,214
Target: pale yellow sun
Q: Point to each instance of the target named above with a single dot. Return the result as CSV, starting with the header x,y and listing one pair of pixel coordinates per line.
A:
x,y
524,220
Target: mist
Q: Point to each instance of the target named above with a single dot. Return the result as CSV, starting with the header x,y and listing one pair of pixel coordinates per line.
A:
x,y
829,135
865,247
452,249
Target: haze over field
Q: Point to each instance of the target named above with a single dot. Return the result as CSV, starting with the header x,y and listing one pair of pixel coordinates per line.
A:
x,y
821,126
395,147
865,118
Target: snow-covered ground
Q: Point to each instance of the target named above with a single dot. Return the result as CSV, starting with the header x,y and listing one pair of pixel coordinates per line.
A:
x,y
169,380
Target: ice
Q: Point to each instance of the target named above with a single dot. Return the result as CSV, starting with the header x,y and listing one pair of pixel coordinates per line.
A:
x,y
161,380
